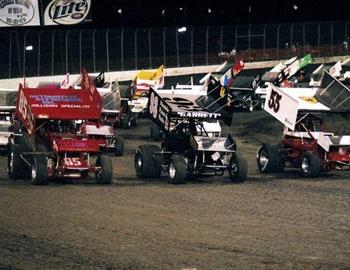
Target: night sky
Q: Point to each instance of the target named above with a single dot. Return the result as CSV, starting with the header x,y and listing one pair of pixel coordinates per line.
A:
x,y
138,13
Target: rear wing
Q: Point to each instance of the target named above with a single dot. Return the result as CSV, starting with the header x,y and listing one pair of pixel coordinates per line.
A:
x,y
168,108
286,70
58,104
286,103
149,78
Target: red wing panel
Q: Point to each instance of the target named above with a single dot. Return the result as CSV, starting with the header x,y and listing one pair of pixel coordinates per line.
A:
x,y
62,104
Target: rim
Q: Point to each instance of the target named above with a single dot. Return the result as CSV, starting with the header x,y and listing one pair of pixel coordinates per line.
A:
x,y
172,170
305,165
138,162
233,168
263,159
33,171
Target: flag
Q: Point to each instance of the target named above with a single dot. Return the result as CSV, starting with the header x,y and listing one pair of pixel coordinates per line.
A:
x,y
307,59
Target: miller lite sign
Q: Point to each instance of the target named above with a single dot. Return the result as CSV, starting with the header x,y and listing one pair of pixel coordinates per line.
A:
x,y
66,12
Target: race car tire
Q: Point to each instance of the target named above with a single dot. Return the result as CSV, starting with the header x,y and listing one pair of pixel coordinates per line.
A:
x,y
104,176
145,162
249,106
125,122
310,165
14,161
134,122
238,168
155,132
268,159
39,171
177,170
119,147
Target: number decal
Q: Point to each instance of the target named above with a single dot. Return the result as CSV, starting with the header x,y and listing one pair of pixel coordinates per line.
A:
x,y
274,101
153,108
72,161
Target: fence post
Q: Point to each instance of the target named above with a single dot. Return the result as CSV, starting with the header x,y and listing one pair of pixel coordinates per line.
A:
x,y
52,51
318,38
164,52
107,48
122,48
93,50
192,30
207,45
39,50
10,55
177,48
264,41
249,36
332,39
150,48
24,53
278,41
221,38
135,51
80,60
67,33
304,51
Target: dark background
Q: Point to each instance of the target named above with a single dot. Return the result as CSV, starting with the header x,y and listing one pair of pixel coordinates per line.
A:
x,y
137,13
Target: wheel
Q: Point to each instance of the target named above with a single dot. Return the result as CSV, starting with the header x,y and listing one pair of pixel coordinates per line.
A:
x,y
268,159
14,161
134,122
104,176
119,146
249,106
145,163
177,170
16,166
125,122
238,168
39,170
310,165
155,132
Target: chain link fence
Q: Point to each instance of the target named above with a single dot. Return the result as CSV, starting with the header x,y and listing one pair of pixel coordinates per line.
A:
x,y
43,52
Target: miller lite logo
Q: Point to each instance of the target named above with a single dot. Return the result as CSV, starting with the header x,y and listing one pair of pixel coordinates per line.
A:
x,y
66,12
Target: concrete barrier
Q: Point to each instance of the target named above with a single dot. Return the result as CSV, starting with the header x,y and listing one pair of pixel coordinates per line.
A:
x,y
129,75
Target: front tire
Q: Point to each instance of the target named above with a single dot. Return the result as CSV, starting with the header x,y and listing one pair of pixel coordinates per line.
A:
x,y
238,168
119,147
145,163
39,171
104,176
310,165
177,170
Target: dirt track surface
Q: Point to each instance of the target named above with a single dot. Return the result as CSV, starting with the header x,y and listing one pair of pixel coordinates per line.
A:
x,y
278,221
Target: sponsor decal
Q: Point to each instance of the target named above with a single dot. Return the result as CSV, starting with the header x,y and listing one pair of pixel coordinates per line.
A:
x,y
312,100
52,99
19,12
198,115
66,12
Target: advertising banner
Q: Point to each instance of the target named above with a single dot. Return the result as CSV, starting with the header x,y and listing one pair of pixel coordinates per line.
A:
x,y
19,13
66,12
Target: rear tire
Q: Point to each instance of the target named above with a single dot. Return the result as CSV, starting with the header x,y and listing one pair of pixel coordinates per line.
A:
x,y
16,167
268,159
310,165
145,163
177,170
104,176
238,168
119,147
39,171
125,122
